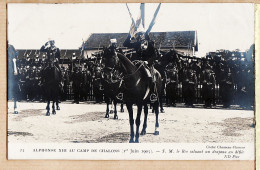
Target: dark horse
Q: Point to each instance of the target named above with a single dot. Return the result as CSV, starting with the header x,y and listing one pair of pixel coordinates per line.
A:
x,y
51,78
136,90
13,86
112,82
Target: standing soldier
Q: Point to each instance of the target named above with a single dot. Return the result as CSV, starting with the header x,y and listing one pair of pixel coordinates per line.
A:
x,y
37,61
183,74
76,83
208,85
227,83
38,90
66,82
31,87
97,84
85,82
191,83
172,81
43,61
28,60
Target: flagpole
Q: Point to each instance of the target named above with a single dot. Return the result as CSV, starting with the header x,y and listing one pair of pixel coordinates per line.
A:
x,y
143,14
131,15
153,20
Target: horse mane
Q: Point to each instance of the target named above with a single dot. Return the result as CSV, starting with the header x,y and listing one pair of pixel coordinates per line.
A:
x,y
129,67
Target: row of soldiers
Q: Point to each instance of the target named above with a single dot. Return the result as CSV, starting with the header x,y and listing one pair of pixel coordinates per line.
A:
x,y
190,80
218,77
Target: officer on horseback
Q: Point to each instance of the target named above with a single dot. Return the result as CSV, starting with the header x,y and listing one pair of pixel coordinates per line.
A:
x,y
139,40
145,51
53,55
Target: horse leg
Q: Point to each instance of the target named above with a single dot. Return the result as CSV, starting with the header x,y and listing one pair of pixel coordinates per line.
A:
x,y
115,110
107,111
145,120
111,110
156,108
48,108
53,108
137,122
122,108
161,105
57,105
131,121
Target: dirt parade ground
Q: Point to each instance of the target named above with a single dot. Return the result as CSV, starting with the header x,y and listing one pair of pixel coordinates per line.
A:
x,y
86,123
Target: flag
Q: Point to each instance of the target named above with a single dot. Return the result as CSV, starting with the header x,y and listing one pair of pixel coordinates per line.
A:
x,y
140,19
154,18
137,26
133,25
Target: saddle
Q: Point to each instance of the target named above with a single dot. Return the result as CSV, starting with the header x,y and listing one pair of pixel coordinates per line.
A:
x,y
148,74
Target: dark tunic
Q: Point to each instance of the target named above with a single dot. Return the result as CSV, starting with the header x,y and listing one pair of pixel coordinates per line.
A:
x,y
149,54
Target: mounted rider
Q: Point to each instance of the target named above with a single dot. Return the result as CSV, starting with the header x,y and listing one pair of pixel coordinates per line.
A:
x,y
139,40
53,56
53,53
145,51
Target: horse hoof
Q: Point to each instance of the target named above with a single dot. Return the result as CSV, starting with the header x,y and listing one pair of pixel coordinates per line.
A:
x,y
156,133
136,140
162,111
107,116
115,117
53,112
15,112
143,132
48,114
111,111
131,141
58,108
122,110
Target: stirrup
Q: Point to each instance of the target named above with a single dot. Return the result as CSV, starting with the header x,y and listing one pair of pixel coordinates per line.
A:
x,y
153,97
120,96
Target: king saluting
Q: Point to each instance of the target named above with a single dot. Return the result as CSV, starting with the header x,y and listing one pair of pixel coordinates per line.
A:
x,y
143,47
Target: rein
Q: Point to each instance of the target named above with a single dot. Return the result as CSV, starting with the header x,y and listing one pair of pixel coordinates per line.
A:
x,y
130,75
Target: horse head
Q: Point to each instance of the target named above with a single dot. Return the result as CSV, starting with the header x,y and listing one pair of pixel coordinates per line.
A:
x,y
111,63
110,58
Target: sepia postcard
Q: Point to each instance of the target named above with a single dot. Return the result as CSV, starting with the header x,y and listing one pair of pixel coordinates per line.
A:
x,y
131,81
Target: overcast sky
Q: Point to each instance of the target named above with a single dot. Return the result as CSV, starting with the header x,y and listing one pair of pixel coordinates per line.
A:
x,y
219,26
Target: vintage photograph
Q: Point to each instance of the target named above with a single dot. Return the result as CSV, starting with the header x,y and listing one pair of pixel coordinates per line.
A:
x,y
149,73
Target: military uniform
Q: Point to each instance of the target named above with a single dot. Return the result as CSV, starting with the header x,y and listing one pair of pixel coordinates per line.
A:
x,y
227,87
76,78
97,84
208,86
172,81
145,51
189,86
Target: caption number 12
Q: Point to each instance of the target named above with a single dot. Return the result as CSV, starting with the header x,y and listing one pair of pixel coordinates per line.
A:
x,y
21,150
